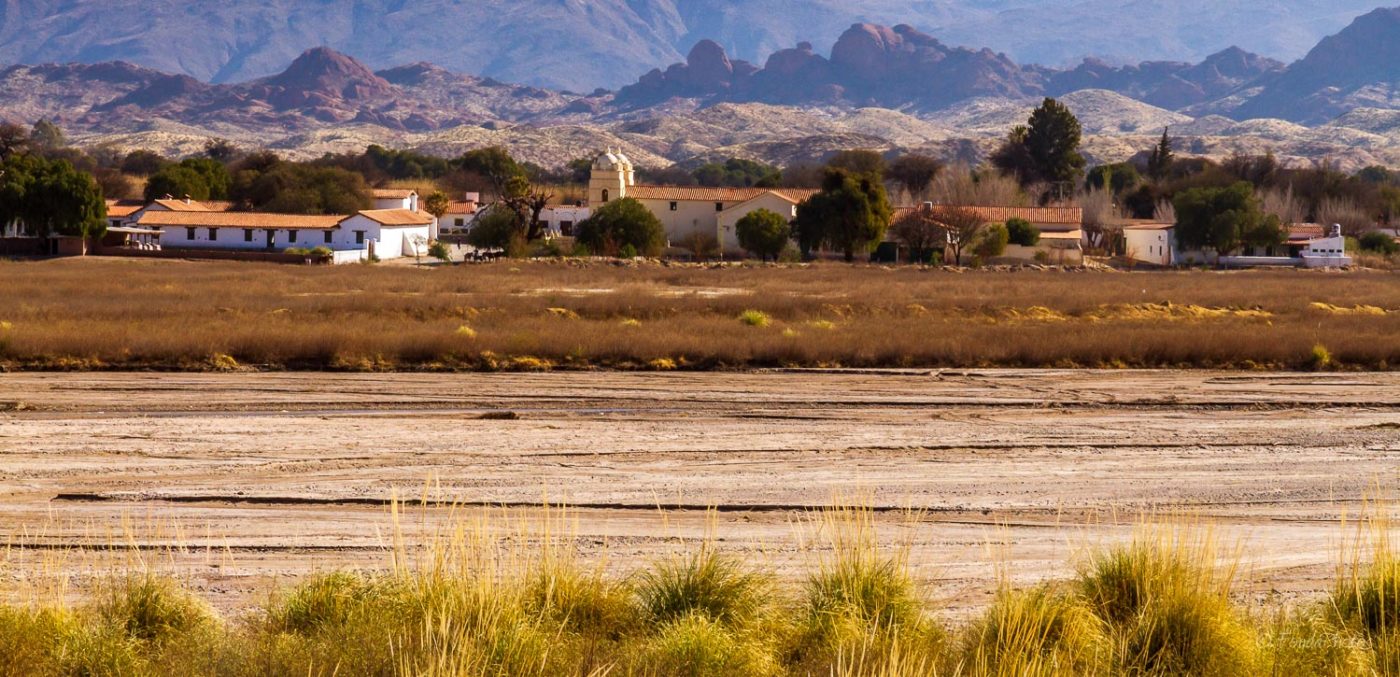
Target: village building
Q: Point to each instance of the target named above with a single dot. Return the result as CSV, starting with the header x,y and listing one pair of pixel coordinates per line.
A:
x,y
1308,245
377,233
1151,243
459,214
1061,230
691,215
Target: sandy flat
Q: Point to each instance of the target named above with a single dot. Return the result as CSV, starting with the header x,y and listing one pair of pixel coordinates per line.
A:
x,y
242,481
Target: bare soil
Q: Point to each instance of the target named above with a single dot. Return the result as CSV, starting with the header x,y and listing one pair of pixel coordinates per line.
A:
x,y
245,481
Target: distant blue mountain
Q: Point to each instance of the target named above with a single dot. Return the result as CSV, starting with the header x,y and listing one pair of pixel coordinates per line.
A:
x,y
582,44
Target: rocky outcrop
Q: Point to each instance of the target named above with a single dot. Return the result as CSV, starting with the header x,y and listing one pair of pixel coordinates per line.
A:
x,y
869,65
1169,84
1358,67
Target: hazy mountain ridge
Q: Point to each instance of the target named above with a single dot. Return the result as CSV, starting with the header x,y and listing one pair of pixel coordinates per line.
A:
x,y
880,87
583,45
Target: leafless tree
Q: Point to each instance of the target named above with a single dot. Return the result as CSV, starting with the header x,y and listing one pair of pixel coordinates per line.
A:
x,y
1345,211
961,227
960,185
921,231
1102,217
1283,204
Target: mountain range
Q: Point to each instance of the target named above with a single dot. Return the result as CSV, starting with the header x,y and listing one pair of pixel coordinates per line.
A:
x,y
580,45
878,86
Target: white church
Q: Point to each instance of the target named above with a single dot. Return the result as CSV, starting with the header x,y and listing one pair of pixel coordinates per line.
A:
x,y
687,212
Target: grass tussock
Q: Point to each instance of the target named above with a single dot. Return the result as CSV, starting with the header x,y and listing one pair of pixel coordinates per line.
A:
x,y
524,604
225,316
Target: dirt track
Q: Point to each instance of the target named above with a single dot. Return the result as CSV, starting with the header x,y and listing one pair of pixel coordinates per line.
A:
x,y
263,477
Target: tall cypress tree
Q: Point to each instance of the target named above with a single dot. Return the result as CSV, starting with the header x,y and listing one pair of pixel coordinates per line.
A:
x,y
1160,162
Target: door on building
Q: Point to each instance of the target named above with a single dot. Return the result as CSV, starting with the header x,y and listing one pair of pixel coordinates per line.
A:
x,y
271,238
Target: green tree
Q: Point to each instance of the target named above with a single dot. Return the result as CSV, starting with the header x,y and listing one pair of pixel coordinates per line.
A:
x,y
51,198
991,242
143,163
1020,232
296,188
1377,241
850,214
1224,219
763,233
738,173
620,224
1045,149
498,228
494,164
859,163
1052,138
915,172
1120,177
1159,163
177,181
437,203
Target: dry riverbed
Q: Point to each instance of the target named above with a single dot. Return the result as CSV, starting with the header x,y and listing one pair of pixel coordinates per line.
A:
x,y
245,481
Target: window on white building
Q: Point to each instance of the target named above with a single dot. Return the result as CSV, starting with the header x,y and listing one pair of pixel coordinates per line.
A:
x,y
247,234
213,234
189,233
675,206
328,237
292,236
359,237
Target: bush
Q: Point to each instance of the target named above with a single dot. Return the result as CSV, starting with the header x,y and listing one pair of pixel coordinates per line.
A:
x,y
991,242
763,233
1029,632
754,318
1166,606
706,584
153,609
440,251
1377,241
620,224
324,601
495,230
1021,232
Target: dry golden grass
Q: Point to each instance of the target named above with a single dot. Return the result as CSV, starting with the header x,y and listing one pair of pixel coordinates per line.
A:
x,y
476,600
108,313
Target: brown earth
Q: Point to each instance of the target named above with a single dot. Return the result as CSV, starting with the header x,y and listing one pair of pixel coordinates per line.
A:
x,y
241,481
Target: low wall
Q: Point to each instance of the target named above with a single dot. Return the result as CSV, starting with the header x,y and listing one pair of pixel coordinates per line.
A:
x,y
1056,256
206,255
23,246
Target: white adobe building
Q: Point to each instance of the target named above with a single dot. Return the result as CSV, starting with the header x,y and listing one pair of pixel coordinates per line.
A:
x,y
688,212
1307,244
382,233
460,213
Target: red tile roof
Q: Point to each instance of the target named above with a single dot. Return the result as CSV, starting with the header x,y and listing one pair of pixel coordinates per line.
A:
x,y
257,220
194,205
703,194
461,208
392,193
397,217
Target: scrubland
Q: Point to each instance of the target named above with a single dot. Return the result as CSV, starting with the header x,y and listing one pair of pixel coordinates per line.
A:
x,y
1160,603
121,314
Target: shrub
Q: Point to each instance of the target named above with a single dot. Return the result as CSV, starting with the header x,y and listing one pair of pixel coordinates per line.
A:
x,y
754,318
1020,232
1166,606
1037,631
440,251
764,233
990,242
324,601
495,229
1377,241
620,224
698,646
153,609
713,586
1320,357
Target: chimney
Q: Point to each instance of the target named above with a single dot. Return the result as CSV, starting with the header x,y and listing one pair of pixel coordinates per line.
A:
x,y
472,198
187,198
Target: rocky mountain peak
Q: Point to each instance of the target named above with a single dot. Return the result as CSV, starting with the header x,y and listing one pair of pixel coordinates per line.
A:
x,y
327,72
